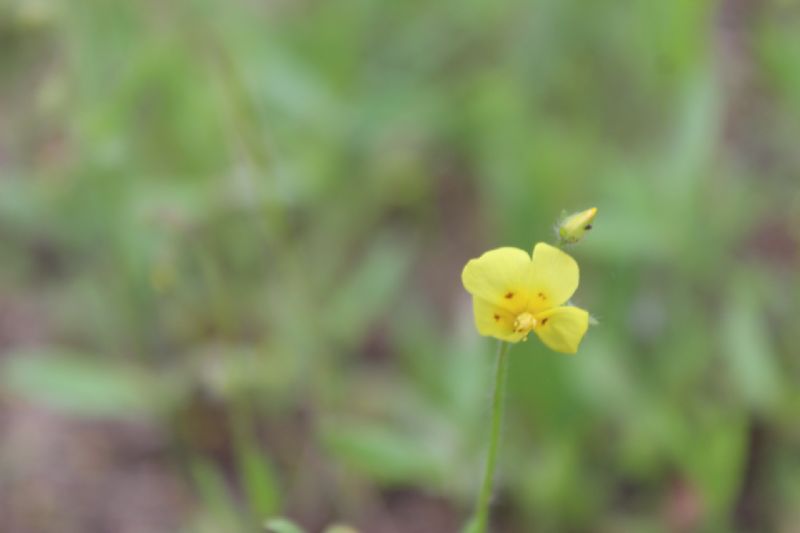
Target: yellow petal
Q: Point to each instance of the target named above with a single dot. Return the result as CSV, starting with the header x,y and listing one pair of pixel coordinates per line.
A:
x,y
500,277
562,328
553,279
494,321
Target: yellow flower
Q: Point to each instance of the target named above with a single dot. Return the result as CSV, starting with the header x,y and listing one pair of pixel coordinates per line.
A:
x,y
573,227
514,294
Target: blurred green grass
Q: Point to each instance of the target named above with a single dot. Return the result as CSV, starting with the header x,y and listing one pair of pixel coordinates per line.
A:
x,y
244,224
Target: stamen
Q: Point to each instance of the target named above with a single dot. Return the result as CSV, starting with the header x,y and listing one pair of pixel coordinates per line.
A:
x,y
524,323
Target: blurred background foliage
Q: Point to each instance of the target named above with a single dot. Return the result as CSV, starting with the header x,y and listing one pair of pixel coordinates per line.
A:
x,y
231,238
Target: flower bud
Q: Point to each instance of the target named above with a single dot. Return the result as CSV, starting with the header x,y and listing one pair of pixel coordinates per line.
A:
x,y
572,228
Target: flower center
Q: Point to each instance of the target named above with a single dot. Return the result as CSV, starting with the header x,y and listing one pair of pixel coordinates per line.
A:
x,y
524,323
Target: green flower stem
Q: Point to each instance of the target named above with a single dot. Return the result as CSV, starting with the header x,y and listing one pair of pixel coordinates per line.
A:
x,y
481,518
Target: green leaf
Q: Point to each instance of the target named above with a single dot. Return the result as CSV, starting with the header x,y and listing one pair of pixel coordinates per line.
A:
x,y
78,384
370,290
282,525
470,527
747,348
215,495
340,528
381,453
718,465
258,475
